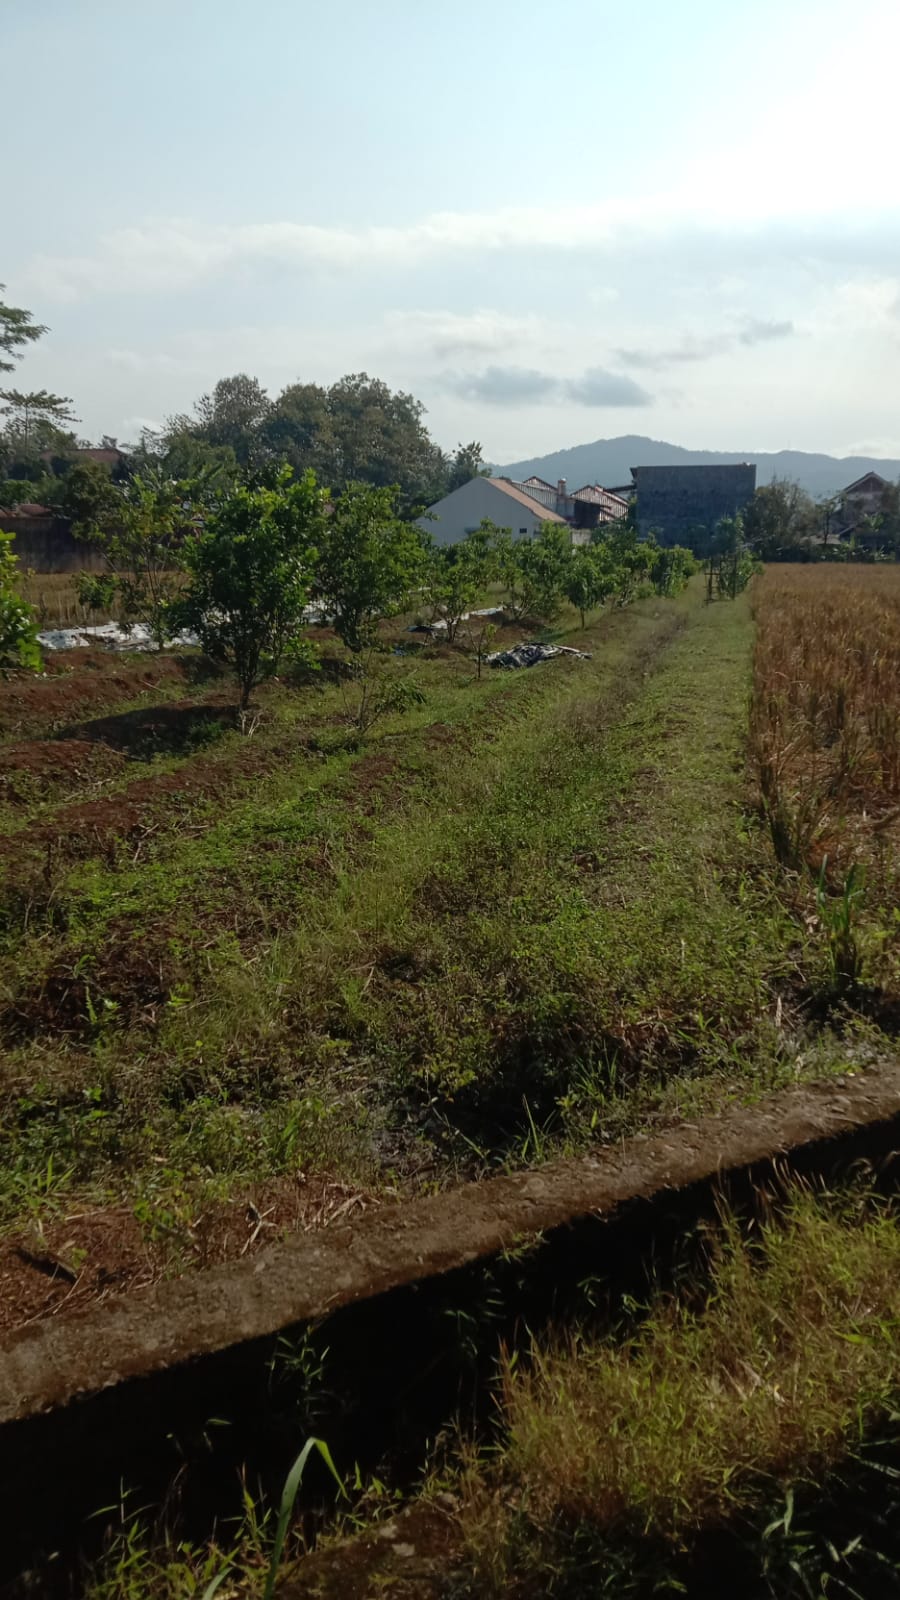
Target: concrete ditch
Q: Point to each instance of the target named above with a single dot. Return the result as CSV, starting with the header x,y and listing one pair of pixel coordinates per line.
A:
x,y
126,1391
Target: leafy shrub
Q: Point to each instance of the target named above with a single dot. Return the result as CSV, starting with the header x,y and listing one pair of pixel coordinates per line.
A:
x,y
18,626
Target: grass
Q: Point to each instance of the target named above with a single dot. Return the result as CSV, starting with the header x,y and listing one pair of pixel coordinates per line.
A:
x,y
735,1431
619,1457
526,917
825,747
54,596
533,915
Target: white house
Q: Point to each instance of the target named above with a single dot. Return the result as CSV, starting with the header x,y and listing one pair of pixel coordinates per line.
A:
x,y
496,499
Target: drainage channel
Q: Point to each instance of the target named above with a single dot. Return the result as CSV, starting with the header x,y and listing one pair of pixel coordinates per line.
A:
x,y
373,1336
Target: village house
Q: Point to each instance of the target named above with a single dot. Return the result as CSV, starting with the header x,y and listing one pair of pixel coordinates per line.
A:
x,y
521,507
863,498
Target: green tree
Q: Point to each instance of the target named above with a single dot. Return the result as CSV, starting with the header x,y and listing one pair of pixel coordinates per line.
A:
x,y
779,519
534,571
232,415
458,574
140,529
590,579
627,556
298,430
250,571
379,437
176,452
465,463
730,563
39,406
369,560
670,568
17,329
18,627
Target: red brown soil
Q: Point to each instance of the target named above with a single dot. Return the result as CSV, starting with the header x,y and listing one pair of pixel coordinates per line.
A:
x,y
80,1259
37,769
86,826
78,682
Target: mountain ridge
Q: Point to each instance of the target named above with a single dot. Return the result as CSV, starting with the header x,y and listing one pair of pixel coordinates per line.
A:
x,y
609,461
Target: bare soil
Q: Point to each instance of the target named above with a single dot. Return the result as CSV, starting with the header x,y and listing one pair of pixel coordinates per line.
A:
x,y
76,683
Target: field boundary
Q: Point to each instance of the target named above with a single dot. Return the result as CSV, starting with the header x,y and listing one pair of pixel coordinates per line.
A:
x,y
307,1279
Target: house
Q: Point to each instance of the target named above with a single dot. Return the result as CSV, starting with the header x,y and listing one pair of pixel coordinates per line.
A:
x,y
865,497
495,499
521,507
682,505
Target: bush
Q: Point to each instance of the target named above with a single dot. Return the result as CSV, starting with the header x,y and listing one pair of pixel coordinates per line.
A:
x,y
250,573
18,625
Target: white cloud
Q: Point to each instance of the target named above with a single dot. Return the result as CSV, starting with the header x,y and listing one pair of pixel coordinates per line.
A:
x,y
450,333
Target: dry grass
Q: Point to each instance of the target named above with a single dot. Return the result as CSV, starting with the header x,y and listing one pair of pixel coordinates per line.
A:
x,y
825,713
707,1414
54,596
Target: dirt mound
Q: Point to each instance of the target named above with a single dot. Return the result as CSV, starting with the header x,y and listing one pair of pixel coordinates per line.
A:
x,y
88,826
81,681
38,769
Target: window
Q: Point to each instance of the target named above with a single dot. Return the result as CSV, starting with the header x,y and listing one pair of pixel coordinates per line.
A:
x,y
523,533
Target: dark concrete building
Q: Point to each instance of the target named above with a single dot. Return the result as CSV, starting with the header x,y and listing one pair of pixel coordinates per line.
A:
x,y
682,505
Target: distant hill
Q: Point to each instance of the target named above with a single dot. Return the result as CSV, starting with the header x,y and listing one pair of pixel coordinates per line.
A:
x,y
609,461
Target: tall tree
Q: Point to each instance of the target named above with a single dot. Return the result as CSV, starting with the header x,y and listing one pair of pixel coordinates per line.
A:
x,y
298,429
465,463
779,517
379,437
37,407
233,415
17,329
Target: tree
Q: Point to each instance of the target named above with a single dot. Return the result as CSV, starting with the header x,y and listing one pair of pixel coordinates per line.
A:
x,y
233,416
670,568
627,556
369,560
17,329
38,406
18,628
377,436
779,518
250,572
175,452
534,571
298,430
589,579
140,529
457,576
465,463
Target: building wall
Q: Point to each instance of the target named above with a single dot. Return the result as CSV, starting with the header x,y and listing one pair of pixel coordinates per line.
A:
x,y
47,544
466,507
683,504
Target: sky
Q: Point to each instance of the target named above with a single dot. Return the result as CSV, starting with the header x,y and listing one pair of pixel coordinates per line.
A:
x,y
550,223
